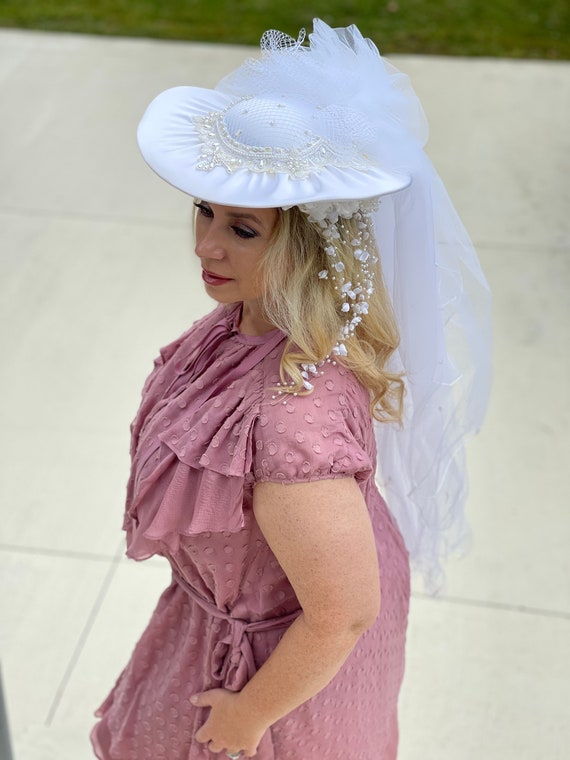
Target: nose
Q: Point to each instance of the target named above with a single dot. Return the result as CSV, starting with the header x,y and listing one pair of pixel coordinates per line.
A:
x,y
208,243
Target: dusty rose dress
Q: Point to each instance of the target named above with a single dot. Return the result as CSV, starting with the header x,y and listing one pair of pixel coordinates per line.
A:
x,y
209,427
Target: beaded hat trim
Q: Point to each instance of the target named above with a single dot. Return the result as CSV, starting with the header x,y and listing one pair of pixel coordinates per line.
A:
x,y
231,138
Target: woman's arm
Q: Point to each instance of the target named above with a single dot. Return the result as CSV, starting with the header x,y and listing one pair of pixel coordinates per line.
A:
x,y
321,534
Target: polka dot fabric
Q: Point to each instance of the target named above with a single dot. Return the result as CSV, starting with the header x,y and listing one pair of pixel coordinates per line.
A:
x,y
209,427
321,435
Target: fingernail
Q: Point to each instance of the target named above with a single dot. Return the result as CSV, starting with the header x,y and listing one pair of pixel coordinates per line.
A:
x,y
194,699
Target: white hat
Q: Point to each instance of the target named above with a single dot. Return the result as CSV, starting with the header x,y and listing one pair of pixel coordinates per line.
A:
x,y
263,139
257,152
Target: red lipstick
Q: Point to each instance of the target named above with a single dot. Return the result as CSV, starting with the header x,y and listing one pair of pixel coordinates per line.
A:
x,y
213,279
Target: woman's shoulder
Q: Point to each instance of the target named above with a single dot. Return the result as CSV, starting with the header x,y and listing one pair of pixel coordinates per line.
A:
x,y
324,433
333,386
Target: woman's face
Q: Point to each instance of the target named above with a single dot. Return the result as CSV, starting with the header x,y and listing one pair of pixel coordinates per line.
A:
x,y
230,242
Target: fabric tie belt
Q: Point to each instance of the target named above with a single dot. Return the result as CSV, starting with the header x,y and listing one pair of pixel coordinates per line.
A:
x,y
232,659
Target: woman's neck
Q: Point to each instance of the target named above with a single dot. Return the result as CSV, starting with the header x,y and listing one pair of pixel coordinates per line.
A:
x,y
253,321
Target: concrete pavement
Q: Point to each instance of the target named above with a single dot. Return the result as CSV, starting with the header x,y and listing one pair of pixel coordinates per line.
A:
x,y
96,273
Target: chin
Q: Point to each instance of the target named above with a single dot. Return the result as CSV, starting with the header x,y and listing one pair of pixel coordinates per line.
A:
x,y
214,292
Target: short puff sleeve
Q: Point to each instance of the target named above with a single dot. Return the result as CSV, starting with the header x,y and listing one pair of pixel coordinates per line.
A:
x,y
322,435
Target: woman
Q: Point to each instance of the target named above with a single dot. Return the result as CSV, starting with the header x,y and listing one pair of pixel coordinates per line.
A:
x,y
253,452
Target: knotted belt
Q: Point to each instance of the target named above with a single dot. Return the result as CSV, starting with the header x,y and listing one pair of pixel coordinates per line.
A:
x,y
232,659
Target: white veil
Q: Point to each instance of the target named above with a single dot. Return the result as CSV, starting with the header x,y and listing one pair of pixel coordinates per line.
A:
x,y
442,305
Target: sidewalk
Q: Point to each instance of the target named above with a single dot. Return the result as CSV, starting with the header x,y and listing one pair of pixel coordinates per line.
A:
x,y
96,273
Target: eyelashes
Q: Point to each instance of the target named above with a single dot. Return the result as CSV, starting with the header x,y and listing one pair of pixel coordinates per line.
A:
x,y
203,209
244,232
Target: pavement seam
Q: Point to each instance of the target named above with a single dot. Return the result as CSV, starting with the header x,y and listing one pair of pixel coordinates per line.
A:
x,y
499,606
47,552
91,618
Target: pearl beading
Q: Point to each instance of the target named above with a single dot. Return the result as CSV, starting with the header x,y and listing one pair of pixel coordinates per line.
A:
x,y
234,151
354,295
307,371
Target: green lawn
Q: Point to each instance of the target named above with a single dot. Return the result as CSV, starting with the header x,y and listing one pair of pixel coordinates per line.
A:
x,y
508,28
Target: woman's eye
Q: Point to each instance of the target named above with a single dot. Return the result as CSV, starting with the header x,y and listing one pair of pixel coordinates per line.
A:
x,y
244,232
204,210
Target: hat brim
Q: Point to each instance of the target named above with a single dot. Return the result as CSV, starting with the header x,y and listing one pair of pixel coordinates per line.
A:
x,y
171,145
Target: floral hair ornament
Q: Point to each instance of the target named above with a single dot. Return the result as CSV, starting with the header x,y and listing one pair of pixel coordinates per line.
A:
x,y
353,295
332,127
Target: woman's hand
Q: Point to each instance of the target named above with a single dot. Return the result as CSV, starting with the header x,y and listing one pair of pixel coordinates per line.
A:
x,y
227,729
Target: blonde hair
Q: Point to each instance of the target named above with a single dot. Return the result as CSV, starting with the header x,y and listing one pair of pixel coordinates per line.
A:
x,y
307,309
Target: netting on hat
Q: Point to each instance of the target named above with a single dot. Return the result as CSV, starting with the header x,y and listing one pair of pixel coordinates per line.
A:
x,y
281,102
275,41
343,72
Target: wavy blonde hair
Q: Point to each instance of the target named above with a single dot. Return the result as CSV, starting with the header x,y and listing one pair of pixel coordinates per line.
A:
x,y
307,309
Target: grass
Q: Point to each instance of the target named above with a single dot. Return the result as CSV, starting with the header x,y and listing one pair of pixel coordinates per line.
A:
x,y
503,28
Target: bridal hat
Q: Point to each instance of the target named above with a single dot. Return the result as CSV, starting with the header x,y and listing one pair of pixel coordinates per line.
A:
x,y
279,131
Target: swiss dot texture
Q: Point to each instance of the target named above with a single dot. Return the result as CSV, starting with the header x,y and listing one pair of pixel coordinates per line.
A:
x,y
207,430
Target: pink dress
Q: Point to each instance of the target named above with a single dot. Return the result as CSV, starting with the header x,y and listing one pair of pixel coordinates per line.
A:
x,y
209,427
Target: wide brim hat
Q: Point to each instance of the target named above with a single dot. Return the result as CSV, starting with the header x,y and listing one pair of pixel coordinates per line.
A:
x,y
248,144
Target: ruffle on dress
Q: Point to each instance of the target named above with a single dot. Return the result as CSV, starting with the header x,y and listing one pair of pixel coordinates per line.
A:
x,y
211,425
191,439
206,457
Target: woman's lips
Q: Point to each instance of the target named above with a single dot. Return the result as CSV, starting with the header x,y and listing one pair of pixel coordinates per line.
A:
x,y
213,279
